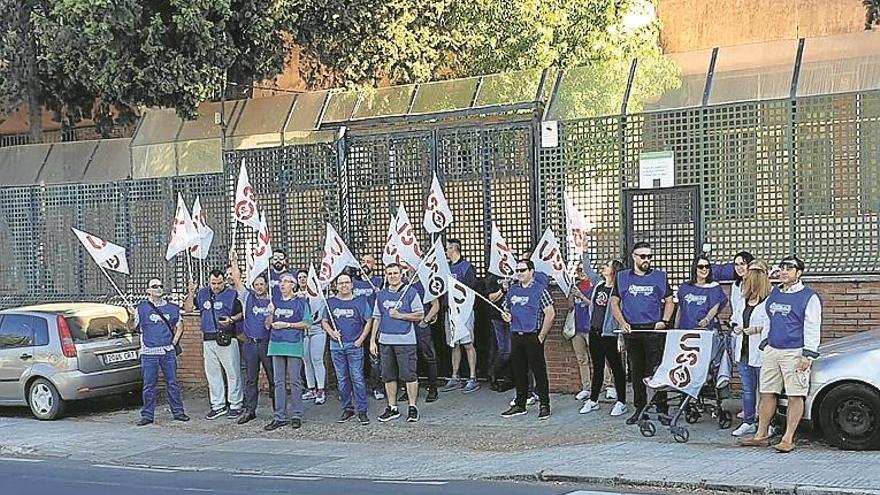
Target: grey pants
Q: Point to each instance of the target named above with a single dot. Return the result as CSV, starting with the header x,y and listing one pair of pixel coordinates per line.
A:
x,y
288,371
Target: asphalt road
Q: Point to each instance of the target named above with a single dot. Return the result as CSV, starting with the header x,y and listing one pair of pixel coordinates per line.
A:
x,y
52,477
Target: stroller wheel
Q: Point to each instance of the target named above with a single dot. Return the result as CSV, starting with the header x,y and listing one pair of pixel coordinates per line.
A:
x,y
680,434
725,420
647,429
692,416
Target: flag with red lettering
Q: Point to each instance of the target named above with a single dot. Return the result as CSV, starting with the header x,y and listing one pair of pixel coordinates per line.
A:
x,y
245,210
335,257
406,241
438,216
461,308
434,273
390,253
686,359
502,262
548,259
106,254
260,257
183,230
201,248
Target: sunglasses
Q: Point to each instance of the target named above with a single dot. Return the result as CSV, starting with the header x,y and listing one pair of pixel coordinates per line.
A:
x,y
645,256
522,270
703,267
156,286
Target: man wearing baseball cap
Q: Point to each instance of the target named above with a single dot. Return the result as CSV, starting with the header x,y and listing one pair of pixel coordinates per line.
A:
x,y
792,343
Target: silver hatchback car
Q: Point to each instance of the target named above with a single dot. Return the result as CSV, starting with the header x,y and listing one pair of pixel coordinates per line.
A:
x,y
54,353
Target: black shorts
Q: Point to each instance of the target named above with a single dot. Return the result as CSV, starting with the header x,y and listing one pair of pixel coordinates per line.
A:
x,y
399,362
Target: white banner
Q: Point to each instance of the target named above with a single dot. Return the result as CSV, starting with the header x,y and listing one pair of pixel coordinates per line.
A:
x,y
335,257
106,254
261,256
183,230
245,210
438,216
548,259
201,248
685,363
434,273
390,253
502,262
405,239
461,308
576,228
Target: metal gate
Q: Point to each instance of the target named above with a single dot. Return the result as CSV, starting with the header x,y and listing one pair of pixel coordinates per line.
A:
x,y
671,219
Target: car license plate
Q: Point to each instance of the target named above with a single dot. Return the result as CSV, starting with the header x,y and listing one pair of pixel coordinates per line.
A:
x,y
120,356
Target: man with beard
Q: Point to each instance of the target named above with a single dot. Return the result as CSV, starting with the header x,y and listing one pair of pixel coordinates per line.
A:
x,y
366,284
277,268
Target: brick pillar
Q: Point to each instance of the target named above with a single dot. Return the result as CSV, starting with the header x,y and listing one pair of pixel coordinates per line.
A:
x,y
562,367
190,366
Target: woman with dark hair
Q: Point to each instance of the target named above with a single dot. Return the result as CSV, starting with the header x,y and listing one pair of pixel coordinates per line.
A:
x,y
740,267
314,341
700,299
605,345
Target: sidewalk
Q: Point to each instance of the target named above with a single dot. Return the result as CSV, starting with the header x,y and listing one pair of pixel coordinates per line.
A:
x,y
459,437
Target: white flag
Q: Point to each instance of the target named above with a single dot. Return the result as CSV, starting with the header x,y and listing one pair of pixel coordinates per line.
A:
x,y
313,292
685,363
183,230
576,228
438,216
548,259
261,256
245,202
434,273
106,254
405,238
205,234
461,308
390,253
335,257
502,262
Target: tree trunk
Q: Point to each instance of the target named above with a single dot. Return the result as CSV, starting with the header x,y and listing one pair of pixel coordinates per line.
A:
x,y
31,79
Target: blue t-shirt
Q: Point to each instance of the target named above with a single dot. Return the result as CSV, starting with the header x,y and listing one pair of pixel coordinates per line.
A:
x,y
641,296
154,330
349,316
391,330
293,310
223,304
694,303
256,309
525,307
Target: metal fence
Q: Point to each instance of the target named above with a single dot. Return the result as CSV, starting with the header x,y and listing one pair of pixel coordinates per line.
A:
x,y
792,175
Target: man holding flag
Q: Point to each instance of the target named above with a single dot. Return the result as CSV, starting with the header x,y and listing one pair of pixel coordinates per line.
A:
x,y
528,308
255,303
464,272
394,335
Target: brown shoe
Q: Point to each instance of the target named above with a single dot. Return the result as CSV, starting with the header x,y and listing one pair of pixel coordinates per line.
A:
x,y
755,442
784,447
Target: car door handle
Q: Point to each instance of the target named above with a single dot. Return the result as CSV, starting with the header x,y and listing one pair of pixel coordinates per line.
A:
x,y
26,356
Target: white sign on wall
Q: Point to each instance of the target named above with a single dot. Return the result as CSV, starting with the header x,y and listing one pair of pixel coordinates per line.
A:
x,y
656,169
549,134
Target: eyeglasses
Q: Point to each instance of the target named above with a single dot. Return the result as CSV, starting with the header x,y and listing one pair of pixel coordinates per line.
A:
x,y
703,267
156,286
522,270
644,256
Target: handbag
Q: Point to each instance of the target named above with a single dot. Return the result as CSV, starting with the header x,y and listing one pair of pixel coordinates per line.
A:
x,y
178,350
568,329
224,337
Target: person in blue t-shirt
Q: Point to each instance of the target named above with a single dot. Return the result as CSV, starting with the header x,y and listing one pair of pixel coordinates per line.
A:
x,y
368,284
642,300
701,298
161,328
220,311
463,271
255,332
347,322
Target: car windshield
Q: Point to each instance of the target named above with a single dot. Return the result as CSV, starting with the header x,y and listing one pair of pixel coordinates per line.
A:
x,y
86,328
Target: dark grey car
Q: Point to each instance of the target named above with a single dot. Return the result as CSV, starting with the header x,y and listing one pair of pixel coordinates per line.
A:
x,y
54,353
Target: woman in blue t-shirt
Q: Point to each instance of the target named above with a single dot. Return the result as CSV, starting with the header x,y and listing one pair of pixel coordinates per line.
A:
x,y
700,299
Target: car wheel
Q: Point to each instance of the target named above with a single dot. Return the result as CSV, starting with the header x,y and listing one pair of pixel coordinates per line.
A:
x,y
849,417
45,401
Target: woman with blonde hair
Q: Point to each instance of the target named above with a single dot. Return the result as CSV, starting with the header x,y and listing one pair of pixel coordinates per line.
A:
x,y
750,323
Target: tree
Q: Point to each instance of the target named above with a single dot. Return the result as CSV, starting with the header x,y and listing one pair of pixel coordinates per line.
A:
x,y
872,13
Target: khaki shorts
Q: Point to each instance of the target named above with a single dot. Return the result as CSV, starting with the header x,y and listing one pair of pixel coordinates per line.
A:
x,y
462,335
779,370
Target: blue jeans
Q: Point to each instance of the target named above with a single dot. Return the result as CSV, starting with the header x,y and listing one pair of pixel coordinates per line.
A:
x,y
150,365
501,366
288,371
256,354
749,377
349,364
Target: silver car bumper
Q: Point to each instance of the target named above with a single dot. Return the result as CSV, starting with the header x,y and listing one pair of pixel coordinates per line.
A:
x,y
75,385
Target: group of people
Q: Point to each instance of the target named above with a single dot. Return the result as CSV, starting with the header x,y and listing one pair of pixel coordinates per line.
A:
x,y
379,328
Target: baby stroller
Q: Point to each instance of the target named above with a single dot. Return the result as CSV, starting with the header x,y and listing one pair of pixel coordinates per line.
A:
x,y
708,400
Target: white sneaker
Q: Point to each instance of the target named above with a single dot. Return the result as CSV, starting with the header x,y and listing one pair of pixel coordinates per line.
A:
x,y
619,409
532,400
745,429
309,395
611,393
771,431
589,406
582,395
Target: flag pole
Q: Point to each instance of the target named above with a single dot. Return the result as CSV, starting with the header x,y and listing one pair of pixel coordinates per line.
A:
x,y
201,269
330,314
416,272
189,261
124,298
361,269
490,303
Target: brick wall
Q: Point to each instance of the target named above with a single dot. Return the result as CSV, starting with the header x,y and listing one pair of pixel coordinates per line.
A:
x,y
849,306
